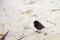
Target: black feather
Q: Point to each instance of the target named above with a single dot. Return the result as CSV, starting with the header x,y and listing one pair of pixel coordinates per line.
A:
x,y
3,38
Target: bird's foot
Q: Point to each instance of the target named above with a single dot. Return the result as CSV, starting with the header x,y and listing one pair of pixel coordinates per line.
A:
x,y
38,31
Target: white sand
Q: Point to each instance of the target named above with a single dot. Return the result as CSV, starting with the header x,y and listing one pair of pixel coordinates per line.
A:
x,y
18,16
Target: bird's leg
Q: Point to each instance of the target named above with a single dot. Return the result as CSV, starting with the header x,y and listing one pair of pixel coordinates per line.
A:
x,y
38,31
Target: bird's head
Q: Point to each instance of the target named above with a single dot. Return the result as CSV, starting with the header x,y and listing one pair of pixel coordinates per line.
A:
x,y
36,22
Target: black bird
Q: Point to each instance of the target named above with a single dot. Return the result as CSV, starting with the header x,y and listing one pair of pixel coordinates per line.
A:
x,y
38,25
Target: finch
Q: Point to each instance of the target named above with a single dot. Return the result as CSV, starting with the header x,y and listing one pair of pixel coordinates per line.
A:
x,y
38,25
